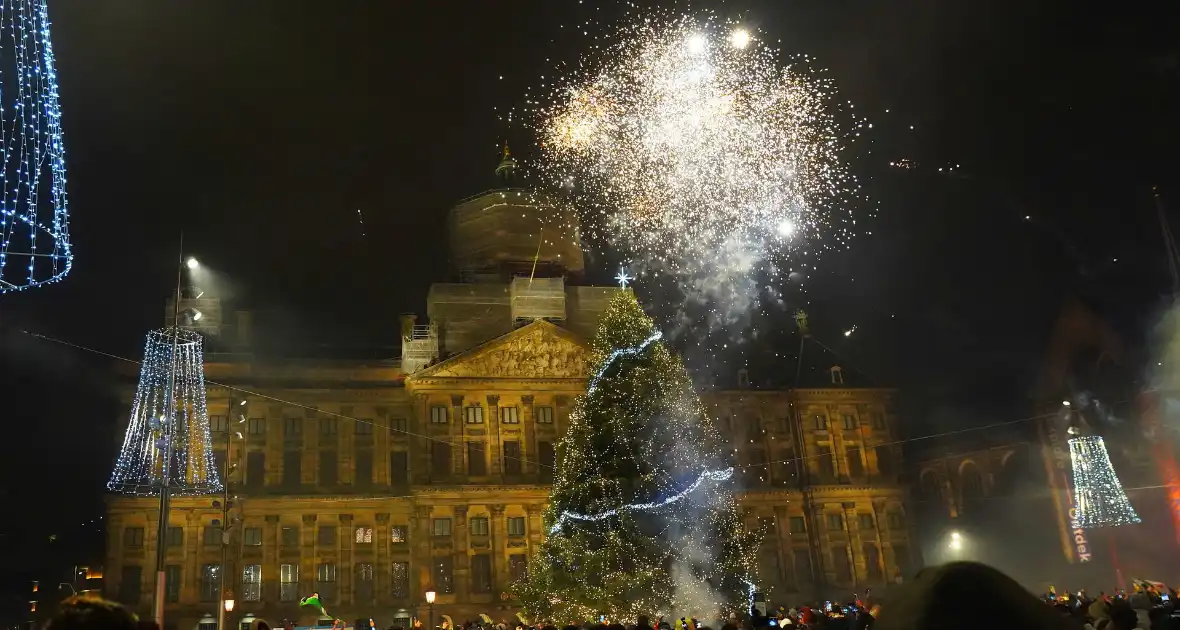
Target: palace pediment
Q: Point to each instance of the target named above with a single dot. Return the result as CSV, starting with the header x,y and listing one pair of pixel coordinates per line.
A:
x,y
539,350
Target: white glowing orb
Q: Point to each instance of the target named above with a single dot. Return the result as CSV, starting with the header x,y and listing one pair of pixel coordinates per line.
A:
x,y
739,38
697,44
785,228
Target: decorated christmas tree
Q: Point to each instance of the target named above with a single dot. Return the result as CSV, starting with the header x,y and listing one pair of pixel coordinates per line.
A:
x,y
641,519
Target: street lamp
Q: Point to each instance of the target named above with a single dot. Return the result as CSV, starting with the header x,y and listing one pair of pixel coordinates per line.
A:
x,y
430,595
229,602
169,445
956,542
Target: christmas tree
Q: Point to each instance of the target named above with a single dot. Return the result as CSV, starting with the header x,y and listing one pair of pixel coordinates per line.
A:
x,y
641,519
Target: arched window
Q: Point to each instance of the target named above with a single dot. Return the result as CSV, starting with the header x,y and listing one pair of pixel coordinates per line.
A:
x,y
971,481
930,486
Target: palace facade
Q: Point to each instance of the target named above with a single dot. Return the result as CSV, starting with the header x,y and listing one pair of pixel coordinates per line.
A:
x,y
373,482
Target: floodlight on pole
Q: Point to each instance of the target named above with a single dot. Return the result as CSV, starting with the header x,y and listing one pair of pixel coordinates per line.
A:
x,y
192,263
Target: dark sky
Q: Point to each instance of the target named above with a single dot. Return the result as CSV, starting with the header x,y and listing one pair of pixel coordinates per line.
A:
x,y
260,127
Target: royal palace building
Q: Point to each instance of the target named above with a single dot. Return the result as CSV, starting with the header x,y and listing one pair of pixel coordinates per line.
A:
x,y
374,482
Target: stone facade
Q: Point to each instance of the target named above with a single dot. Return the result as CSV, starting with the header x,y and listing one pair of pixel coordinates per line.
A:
x,y
372,487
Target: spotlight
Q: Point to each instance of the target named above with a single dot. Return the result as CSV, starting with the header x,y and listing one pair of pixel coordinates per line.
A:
x,y
243,402
1065,403
740,38
197,315
192,263
956,542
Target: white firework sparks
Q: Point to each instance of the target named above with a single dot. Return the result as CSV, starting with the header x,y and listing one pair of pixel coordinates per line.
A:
x,y
697,152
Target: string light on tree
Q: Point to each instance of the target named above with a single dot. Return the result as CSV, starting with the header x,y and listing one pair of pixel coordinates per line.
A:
x,y
1098,495
641,519
139,468
34,218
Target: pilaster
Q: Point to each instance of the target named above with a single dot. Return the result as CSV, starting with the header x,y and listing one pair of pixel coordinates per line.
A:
x,y
461,554
499,549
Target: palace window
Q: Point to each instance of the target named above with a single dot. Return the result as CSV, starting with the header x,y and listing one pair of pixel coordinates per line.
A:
x,y
546,459
856,466
441,527
364,582
364,535
328,468
819,422
175,537
252,536
252,582
219,424
326,536
849,422
544,415
477,461
399,468
474,414
325,581
797,524
510,415
878,420
835,522
289,582
401,579
363,427
481,573
512,458
292,428
516,526
210,582
363,479
133,537
256,426
290,537
328,427
397,534
211,536
292,469
130,584
895,520
440,459
438,414
444,574
479,526
866,520
399,426
518,566
172,577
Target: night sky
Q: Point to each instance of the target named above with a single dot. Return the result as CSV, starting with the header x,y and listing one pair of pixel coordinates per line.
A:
x,y
259,128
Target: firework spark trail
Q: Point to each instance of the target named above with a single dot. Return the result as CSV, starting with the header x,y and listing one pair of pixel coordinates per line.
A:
x,y
694,151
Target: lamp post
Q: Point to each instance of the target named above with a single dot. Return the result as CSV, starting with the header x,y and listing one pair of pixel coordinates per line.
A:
x,y
430,595
227,605
169,445
227,595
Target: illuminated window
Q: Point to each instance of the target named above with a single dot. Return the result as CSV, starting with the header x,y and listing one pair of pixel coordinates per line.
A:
x,y
475,415
364,535
397,534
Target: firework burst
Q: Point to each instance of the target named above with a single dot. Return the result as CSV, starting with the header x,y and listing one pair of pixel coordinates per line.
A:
x,y
693,150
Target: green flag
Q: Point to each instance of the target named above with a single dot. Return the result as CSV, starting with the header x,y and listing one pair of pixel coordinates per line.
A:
x,y
314,601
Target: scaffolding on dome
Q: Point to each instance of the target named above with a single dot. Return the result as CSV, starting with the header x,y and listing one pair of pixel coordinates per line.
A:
x,y
34,217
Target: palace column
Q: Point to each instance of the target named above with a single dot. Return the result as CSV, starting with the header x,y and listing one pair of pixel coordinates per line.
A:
x,y
499,549
460,555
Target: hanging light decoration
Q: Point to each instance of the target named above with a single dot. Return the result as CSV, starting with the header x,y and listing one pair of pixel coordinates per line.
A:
x,y
34,221
140,468
1098,495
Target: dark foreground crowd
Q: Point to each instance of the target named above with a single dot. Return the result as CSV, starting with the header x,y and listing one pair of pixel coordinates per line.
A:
x,y
956,596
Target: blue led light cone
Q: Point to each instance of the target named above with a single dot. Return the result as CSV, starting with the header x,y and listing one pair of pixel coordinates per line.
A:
x,y
34,216
139,469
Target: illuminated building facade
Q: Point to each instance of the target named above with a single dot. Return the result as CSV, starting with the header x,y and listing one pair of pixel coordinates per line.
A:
x,y
373,482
